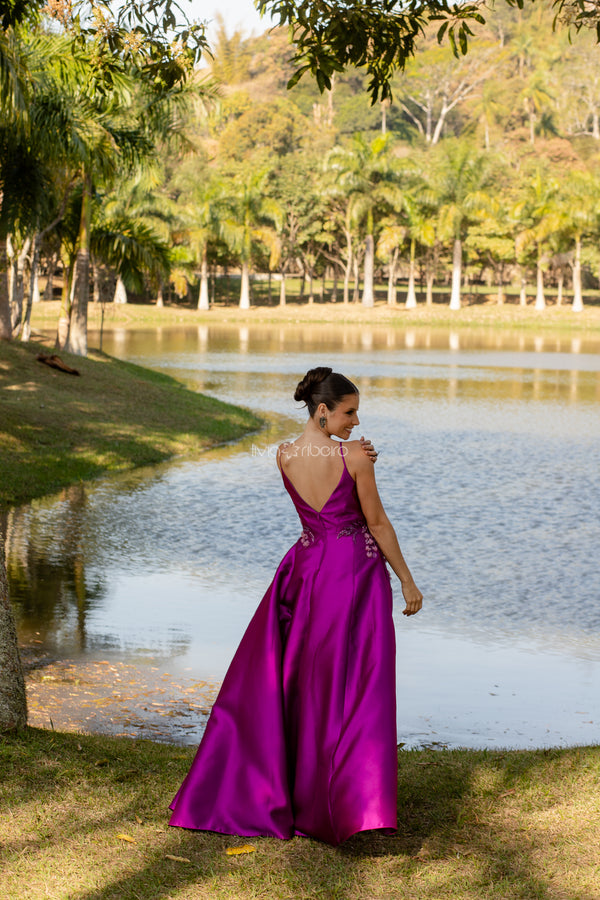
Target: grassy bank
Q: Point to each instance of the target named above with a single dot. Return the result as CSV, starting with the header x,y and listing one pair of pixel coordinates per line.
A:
x,y
476,315
84,818
57,429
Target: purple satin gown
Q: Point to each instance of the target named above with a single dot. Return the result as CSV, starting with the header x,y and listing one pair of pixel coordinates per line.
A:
x,y
302,737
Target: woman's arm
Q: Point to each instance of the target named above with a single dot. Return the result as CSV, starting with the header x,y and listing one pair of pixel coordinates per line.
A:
x,y
382,530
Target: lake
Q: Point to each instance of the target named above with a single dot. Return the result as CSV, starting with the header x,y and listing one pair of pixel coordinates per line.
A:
x,y
488,469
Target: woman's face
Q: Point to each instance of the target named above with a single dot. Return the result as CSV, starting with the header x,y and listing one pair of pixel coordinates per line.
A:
x,y
344,417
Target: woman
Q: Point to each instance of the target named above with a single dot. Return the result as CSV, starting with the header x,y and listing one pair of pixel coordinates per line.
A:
x,y
302,737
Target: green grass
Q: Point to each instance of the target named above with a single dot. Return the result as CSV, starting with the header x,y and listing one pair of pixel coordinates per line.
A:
x,y
473,825
58,429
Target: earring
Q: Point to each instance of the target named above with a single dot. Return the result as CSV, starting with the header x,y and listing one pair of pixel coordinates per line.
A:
x,y
322,421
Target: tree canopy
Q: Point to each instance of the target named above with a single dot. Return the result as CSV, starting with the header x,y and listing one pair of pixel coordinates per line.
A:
x,y
381,35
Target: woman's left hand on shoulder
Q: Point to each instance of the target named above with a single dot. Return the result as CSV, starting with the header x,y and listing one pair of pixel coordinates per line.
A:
x,y
369,449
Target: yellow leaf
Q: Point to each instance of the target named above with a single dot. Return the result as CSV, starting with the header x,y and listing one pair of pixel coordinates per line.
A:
x,y
126,837
177,858
245,848
138,820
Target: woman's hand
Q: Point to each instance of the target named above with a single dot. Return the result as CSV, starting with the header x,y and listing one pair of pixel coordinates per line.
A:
x,y
369,449
413,598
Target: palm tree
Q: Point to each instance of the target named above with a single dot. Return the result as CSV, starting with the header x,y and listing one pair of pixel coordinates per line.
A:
x,y
540,212
366,175
248,222
457,183
14,129
580,214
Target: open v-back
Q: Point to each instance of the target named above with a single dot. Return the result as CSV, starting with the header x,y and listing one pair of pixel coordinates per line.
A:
x,y
291,484
302,737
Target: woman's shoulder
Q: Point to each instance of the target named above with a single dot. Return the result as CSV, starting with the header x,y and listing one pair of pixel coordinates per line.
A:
x,y
286,448
352,448
286,451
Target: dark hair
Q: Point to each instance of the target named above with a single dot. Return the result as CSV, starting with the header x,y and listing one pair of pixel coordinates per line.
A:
x,y
323,385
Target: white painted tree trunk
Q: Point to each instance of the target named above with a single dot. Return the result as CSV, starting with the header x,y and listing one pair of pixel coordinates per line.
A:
x,y
245,287
203,301
411,296
523,292
456,274
540,299
77,340
368,297
391,294
577,292
429,278
120,295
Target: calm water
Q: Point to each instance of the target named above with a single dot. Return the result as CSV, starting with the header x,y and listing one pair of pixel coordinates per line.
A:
x,y
488,468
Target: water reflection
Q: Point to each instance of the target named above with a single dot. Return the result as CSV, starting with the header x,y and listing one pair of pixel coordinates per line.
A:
x,y
226,337
47,571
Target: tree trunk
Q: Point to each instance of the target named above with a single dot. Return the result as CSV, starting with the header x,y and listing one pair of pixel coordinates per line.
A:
x,y
560,285
77,341
411,296
33,289
5,329
540,300
19,287
429,279
500,297
49,286
282,289
577,292
203,302
348,268
120,295
391,293
64,316
356,292
13,700
159,297
456,274
368,297
245,286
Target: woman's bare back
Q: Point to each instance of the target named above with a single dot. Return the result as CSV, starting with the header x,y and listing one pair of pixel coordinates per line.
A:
x,y
314,469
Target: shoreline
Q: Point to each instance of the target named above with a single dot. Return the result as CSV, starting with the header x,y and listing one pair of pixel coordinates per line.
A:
x,y
488,315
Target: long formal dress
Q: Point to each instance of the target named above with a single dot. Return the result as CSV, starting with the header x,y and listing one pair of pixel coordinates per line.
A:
x,y
302,737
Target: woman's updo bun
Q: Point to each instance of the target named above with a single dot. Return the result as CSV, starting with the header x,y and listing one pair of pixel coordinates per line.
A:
x,y
323,385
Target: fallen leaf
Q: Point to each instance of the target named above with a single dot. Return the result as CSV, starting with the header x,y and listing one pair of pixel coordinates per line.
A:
x,y
245,848
101,762
506,794
177,858
126,837
138,820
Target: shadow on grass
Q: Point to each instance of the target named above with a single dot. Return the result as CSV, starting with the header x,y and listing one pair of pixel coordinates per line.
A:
x,y
461,831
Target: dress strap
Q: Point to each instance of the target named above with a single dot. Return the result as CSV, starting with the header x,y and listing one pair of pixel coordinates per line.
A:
x,y
343,455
